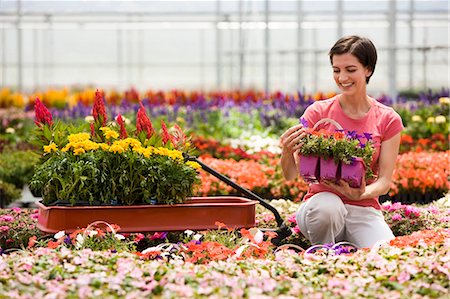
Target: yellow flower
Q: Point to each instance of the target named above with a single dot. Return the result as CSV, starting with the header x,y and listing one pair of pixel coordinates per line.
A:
x,y
440,119
104,146
105,129
444,100
49,148
111,134
416,118
430,119
67,147
133,142
116,148
193,164
78,151
78,137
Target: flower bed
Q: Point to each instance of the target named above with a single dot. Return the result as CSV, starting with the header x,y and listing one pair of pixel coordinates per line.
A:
x,y
99,262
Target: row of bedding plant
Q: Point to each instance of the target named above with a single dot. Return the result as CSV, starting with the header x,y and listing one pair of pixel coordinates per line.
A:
x,y
99,261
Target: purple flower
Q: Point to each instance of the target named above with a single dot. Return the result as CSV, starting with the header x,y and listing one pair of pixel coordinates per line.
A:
x,y
368,136
351,134
159,235
304,122
67,240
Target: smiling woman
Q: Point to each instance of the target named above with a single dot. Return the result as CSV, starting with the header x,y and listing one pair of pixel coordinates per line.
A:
x,y
334,210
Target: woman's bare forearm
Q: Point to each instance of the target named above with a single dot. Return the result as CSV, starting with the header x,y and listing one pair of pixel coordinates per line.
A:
x,y
288,165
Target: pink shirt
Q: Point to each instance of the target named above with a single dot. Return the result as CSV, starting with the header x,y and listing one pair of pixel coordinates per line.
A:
x,y
382,121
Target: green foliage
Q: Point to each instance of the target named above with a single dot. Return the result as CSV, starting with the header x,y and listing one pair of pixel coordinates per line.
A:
x,y
9,193
17,167
426,121
102,177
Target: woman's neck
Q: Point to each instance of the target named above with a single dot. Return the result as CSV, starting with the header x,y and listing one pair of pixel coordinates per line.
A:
x,y
355,106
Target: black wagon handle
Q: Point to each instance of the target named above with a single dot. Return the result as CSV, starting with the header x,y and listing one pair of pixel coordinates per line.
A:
x,y
283,230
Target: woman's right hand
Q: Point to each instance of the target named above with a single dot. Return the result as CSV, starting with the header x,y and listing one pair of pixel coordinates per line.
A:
x,y
290,140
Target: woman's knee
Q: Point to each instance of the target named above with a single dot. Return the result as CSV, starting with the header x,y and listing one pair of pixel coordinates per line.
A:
x,y
324,207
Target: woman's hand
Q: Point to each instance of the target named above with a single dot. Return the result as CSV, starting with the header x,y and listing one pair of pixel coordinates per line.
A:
x,y
344,188
290,140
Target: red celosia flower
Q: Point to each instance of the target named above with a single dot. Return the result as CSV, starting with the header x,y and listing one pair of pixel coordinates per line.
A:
x,y
43,116
99,111
123,131
143,122
165,134
92,129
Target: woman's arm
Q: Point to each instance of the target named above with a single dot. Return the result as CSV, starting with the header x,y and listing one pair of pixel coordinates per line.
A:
x,y
388,157
290,143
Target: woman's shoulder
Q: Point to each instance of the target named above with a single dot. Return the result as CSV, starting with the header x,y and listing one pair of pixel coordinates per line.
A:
x,y
385,110
322,105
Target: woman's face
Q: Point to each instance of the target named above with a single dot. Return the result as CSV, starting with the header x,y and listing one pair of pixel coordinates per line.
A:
x,y
349,74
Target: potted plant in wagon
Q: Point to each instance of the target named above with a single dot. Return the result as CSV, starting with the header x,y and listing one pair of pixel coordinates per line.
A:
x,y
339,155
138,180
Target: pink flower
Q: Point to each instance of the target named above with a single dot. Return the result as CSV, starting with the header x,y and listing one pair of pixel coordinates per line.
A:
x,y
412,211
6,218
445,219
296,230
397,217
403,277
292,219
17,210
4,228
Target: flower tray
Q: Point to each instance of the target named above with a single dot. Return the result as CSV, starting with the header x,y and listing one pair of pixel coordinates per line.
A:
x,y
198,213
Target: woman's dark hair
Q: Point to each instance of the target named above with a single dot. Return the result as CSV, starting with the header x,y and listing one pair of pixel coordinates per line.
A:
x,y
360,47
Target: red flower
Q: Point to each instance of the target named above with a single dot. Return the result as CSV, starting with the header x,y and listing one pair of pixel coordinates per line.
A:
x,y
165,134
143,122
99,111
92,129
43,116
123,131
31,241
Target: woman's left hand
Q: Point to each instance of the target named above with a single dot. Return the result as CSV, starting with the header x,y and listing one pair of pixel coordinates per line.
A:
x,y
344,188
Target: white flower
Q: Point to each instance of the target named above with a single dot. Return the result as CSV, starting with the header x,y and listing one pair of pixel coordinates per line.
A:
x,y
10,130
197,237
440,119
119,236
89,119
80,240
92,233
188,232
59,234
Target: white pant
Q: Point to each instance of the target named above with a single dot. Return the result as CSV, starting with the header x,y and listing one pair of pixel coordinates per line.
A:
x,y
324,218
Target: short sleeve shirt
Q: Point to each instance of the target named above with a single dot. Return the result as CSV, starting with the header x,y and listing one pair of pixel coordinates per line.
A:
x,y
381,121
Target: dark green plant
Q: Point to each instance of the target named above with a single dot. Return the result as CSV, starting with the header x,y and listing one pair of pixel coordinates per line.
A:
x,y
9,193
17,167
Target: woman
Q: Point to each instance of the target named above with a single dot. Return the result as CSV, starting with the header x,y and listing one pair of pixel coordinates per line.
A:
x,y
335,212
